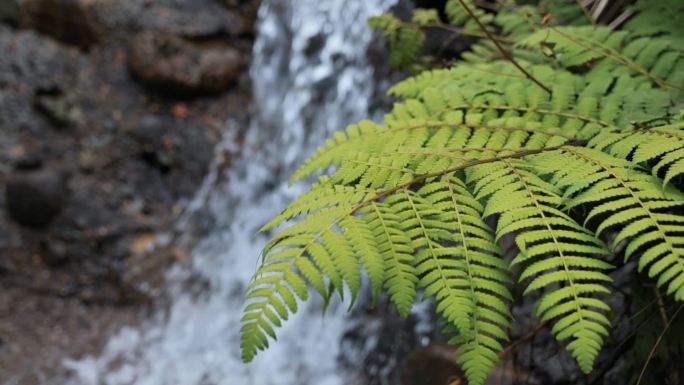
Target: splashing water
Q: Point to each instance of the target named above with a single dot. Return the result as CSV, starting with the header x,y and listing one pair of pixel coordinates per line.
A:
x,y
310,76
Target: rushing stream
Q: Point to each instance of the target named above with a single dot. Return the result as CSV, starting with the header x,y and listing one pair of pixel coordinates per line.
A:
x,y
310,76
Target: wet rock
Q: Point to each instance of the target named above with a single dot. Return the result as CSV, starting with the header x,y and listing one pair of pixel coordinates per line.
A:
x,y
9,11
90,242
69,21
54,252
247,8
158,147
35,198
195,19
436,364
29,61
173,65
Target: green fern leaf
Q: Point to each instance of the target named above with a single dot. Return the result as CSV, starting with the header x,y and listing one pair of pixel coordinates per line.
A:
x,y
637,200
556,251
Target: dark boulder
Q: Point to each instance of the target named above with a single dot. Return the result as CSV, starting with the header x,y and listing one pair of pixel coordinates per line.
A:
x,y
69,21
35,198
173,65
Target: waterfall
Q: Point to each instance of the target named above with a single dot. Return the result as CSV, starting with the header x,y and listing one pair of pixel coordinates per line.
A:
x,y
310,76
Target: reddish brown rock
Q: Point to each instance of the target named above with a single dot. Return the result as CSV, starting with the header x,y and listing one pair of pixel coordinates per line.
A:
x,y
173,65
431,365
437,365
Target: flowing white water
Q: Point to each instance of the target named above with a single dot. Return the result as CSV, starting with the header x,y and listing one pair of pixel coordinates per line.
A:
x,y
310,77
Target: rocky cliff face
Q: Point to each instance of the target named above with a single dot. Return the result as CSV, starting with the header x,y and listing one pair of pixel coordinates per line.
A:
x,y
109,113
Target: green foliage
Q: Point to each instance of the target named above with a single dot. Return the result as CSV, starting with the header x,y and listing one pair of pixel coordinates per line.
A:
x,y
573,175
405,43
569,11
458,15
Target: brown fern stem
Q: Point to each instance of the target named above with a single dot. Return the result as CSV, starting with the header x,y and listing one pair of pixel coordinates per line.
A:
x,y
506,54
657,343
477,162
455,30
661,306
524,339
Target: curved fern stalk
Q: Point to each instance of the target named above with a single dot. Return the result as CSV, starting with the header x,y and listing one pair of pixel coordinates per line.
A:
x,y
620,195
458,14
402,151
580,106
556,252
528,110
482,279
478,18
662,145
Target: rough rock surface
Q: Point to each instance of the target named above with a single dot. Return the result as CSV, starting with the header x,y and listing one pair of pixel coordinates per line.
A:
x,y
172,65
94,167
69,21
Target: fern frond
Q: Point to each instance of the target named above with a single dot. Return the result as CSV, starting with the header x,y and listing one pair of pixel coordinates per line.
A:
x,y
309,251
423,16
652,58
596,152
569,12
482,278
663,146
396,249
458,16
557,253
658,18
359,235
621,196
405,43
